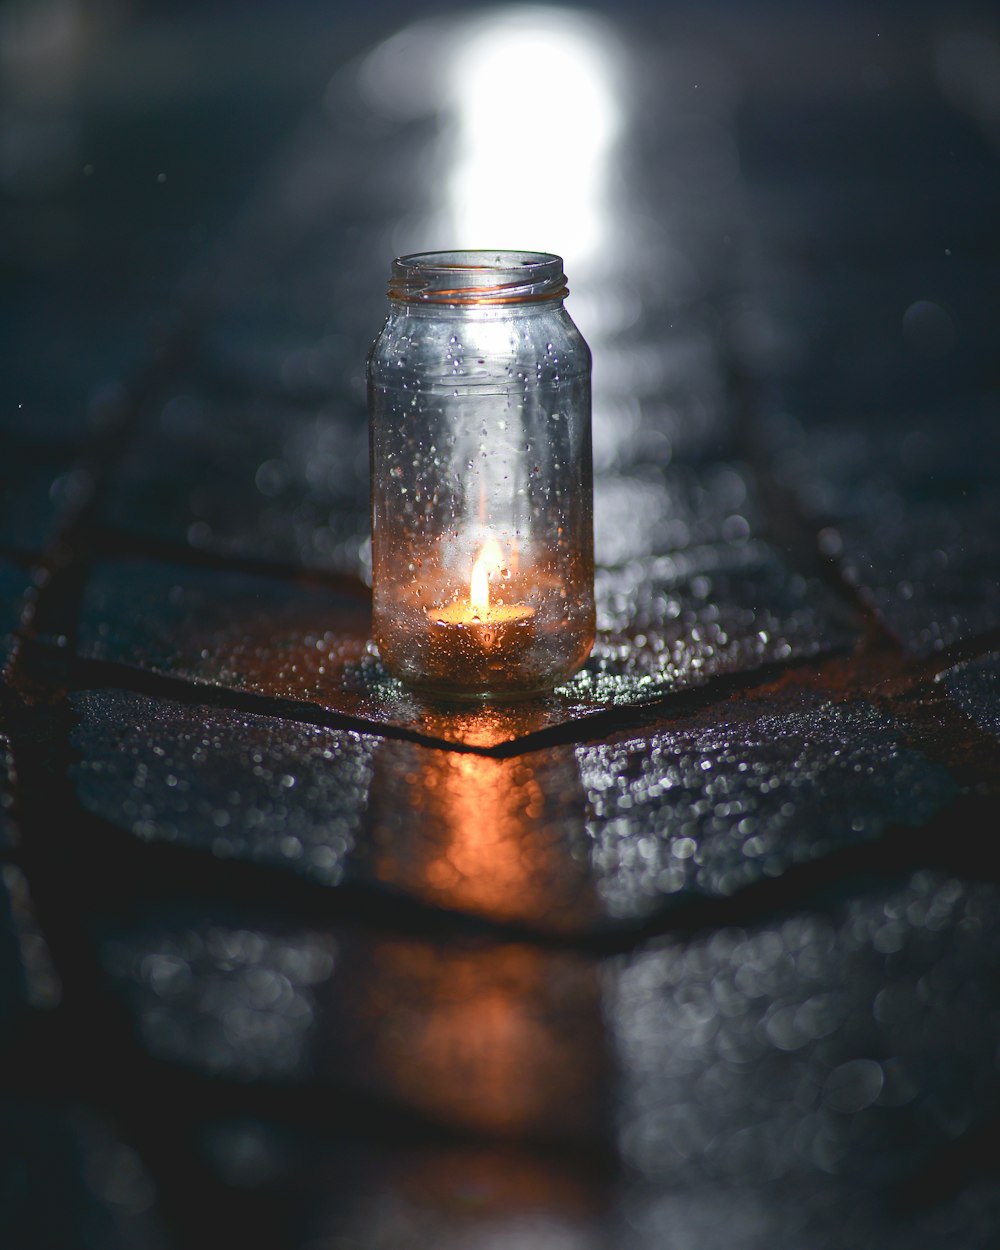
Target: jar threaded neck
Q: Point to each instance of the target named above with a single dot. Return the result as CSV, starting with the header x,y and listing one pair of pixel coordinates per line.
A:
x,y
478,277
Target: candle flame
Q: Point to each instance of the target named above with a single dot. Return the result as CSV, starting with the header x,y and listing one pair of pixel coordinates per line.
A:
x,y
489,560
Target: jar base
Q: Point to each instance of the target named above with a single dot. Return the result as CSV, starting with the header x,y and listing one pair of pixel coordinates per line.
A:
x,y
448,694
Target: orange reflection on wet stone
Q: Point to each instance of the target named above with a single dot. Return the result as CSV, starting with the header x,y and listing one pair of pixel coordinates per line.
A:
x,y
518,1199
498,838
487,725
505,1040
459,1198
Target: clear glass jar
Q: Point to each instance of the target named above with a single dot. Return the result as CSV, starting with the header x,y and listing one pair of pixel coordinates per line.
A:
x,y
482,485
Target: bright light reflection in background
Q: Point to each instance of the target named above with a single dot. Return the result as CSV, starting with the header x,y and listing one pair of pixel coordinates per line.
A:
x,y
530,109
555,129
534,95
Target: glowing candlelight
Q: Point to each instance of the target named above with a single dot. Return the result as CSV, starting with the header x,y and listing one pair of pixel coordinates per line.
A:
x,y
483,620
489,560
476,640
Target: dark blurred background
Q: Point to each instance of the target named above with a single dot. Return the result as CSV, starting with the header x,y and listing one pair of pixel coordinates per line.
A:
x,y
133,132
702,950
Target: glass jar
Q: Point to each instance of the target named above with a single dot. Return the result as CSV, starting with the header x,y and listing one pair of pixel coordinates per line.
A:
x,y
482,485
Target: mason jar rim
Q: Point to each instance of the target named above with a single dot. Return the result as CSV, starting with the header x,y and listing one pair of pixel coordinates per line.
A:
x,y
478,276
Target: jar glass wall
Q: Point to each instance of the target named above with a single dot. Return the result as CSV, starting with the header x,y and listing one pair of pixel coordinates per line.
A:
x,y
482,495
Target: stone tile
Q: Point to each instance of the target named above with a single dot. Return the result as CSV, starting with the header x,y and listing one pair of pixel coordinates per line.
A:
x,y
252,479
666,624
881,298
224,628
651,512
975,687
70,1181
505,839
911,319
339,1190
477,1198
59,358
503,1040
13,997
28,981
911,513
29,978
236,785
833,1055
8,827
739,794
495,1039
502,839
14,583
250,353
673,622
659,391
64,363
843,470
39,491
228,999
560,840
929,576
750,1217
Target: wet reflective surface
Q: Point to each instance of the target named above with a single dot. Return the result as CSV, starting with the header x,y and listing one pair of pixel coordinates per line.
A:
x,y
973,686
498,1040
700,949
14,584
236,786
664,624
243,476
563,839
8,781
909,512
73,1179
29,981
799,1055
709,808
503,839
328,1190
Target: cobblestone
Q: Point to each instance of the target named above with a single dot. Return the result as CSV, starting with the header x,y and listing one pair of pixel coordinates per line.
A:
x,y
71,1180
667,624
710,807
496,1039
8,827
973,686
256,481
801,1055
13,587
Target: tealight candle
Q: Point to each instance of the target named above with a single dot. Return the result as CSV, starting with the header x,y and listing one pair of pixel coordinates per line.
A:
x,y
482,498
475,638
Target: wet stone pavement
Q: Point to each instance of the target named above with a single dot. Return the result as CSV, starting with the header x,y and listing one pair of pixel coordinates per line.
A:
x,y
700,950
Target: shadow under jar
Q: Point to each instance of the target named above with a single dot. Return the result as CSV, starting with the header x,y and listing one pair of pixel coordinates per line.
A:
x,y
482,485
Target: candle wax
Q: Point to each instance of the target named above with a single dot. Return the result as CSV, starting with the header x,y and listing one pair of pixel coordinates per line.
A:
x,y
489,627
470,647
